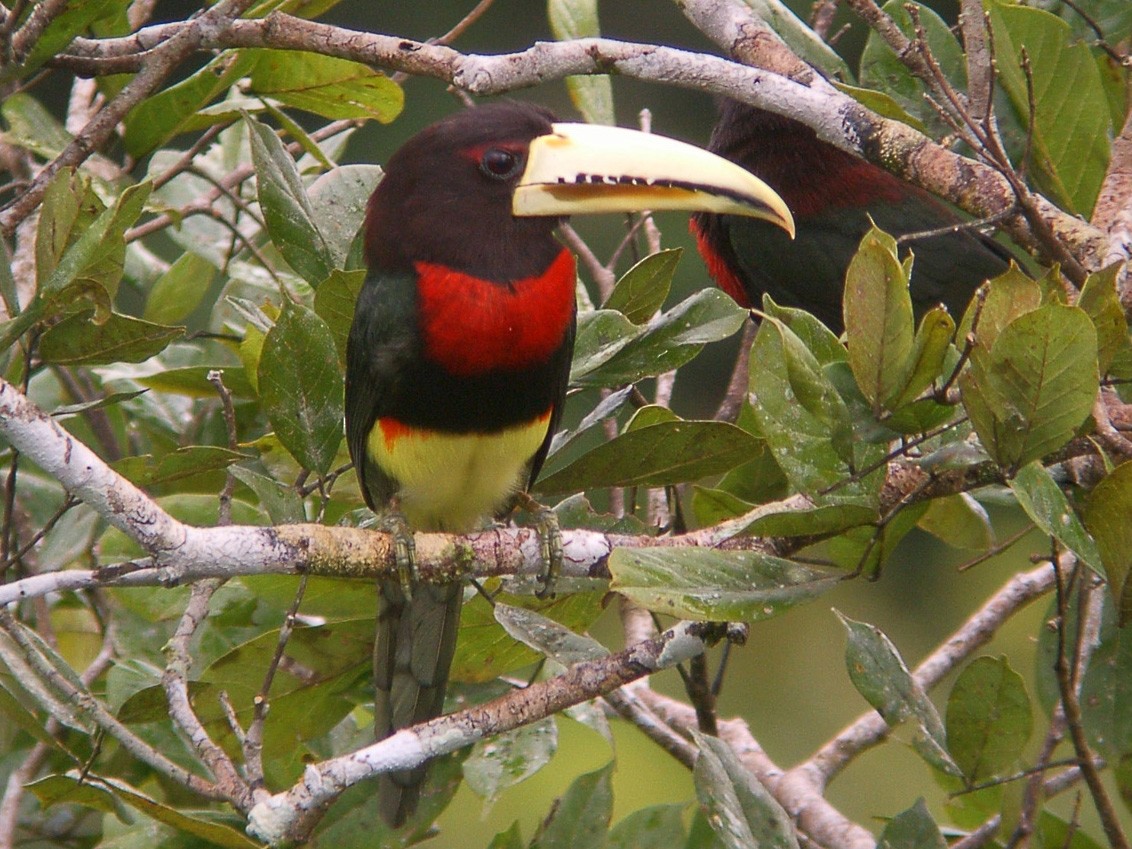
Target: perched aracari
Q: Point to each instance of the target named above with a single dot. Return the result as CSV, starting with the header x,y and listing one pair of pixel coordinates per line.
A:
x,y
832,195
459,353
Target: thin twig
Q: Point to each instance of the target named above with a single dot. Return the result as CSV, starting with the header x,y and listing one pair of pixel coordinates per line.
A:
x,y
1067,672
175,681
253,746
76,700
216,378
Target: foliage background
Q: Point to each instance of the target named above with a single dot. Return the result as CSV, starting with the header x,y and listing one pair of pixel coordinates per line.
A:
x,y
789,682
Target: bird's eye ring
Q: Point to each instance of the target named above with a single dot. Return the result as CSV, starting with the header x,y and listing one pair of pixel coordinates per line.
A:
x,y
500,164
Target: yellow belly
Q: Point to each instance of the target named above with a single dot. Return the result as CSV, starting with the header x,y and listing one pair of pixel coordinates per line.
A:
x,y
450,482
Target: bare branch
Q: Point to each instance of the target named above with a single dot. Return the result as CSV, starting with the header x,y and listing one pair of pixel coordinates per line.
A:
x,y
836,117
176,684
291,815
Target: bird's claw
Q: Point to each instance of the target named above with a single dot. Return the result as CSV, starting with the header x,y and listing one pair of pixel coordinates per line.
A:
x,y
393,522
550,542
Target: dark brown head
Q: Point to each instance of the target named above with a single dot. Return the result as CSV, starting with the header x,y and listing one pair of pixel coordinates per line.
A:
x,y
446,196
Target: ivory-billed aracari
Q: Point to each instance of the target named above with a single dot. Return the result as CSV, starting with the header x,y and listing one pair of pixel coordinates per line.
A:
x,y
832,194
459,353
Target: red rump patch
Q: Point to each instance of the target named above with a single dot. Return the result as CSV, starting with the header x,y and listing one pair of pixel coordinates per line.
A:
x,y
725,278
473,326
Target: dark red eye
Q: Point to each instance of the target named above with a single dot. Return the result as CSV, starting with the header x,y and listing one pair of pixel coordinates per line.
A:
x,y
500,164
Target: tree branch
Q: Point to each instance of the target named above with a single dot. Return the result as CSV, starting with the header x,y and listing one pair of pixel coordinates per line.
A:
x,y
291,815
837,118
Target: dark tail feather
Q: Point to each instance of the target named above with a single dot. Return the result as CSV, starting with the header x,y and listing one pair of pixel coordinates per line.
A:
x,y
415,642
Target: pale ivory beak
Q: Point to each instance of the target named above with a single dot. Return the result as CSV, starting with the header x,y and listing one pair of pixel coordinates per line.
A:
x,y
589,168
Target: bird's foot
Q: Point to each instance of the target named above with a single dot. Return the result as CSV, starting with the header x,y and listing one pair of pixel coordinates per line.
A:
x,y
394,523
550,541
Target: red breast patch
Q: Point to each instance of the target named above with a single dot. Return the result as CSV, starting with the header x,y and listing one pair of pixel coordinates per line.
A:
x,y
474,326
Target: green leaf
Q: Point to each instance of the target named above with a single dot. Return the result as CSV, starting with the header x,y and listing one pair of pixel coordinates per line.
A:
x,y
989,720
1122,775
216,834
326,85
721,586
701,835
929,351
32,127
334,301
300,384
512,838
1030,392
818,521
592,96
193,381
649,415
174,109
70,206
958,520
179,291
912,829
68,790
660,455
1106,691
282,503
741,811
1045,504
878,320
818,339
581,818
656,827
883,104
78,339
1106,516
339,199
712,506
641,291
31,691
1099,299
546,636
1072,123
878,672
606,407
17,716
1054,831
486,651
287,211
805,421
146,470
667,342
509,758
601,335
99,252
74,17
1009,295
865,549
760,479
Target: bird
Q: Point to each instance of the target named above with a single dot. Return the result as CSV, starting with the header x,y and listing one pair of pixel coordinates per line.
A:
x,y
832,195
458,355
